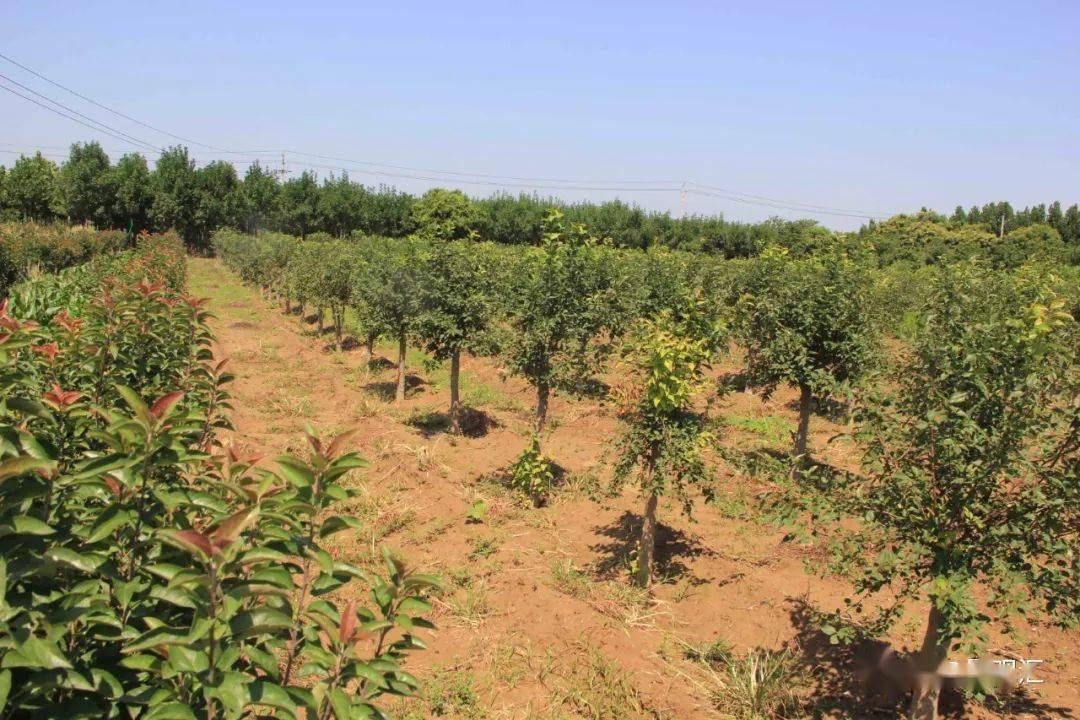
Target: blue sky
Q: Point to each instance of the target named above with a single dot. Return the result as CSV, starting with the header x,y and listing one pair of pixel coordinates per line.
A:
x,y
872,106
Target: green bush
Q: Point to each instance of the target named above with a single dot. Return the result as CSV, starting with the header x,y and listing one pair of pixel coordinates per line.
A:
x,y
144,571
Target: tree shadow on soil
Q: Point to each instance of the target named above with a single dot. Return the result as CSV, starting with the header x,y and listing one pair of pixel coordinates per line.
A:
x,y
474,423
672,546
837,411
378,364
386,390
866,678
732,382
348,344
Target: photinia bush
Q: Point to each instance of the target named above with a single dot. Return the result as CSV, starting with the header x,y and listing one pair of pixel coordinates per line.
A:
x,y
147,573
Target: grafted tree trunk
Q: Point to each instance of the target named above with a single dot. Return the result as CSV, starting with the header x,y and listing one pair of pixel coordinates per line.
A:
x,y
927,687
455,400
806,406
647,547
400,394
543,395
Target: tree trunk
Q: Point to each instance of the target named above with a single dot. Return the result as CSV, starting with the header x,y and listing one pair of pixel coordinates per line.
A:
x,y
369,348
400,394
320,314
927,684
288,303
543,394
806,405
338,322
647,547
455,402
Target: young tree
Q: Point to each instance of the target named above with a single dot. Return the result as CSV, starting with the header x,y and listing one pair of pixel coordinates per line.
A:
x,y
85,181
444,215
390,287
665,434
33,188
970,472
457,304
561,309
806,322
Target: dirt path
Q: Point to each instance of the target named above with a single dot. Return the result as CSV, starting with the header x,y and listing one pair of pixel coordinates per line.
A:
x,y
540,621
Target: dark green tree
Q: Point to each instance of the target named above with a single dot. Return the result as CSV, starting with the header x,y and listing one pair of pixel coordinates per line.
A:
x,y
176,193
341,204
562,309
299,205
391,290
218,201
260,192
457,307
85,179
808,323
33,188
133,196
968,496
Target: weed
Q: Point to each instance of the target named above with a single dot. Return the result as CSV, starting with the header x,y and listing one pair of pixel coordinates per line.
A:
x,y
774,429
451,693
628,604
482,548
595,688
568,579
471,604
760,685
714,654
424,455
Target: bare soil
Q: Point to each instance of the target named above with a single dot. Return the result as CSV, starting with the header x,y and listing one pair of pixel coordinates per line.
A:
x,y
540,620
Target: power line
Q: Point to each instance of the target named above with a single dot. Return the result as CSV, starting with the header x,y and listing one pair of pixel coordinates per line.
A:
x,y
69,117
794,208
811,206
431,175
123,115
131,138
482,175
486,182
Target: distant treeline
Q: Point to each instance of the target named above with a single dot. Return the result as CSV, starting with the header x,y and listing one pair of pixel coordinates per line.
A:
x,y
129,195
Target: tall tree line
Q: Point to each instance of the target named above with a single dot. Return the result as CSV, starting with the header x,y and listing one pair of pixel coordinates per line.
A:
x,y
130,195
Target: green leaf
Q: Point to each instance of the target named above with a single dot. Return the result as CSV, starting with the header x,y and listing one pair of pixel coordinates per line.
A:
x,y
271,695
26,525
5,687
163,635
13,467
83,563
138,407
35,653
339,701
170,711
258,621
187,659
